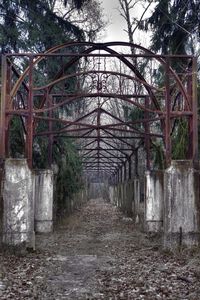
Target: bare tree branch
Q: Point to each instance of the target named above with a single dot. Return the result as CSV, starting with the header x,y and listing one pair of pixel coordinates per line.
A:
x,y
145,10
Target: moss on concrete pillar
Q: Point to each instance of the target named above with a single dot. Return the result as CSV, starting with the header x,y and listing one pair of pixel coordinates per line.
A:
x,y
18,200
154,195
181,205
44,201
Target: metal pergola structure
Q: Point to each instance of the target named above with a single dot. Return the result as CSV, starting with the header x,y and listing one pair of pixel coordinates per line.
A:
x,y
104,146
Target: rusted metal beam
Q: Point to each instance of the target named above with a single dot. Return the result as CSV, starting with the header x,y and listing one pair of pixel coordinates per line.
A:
x,y
115,148
95,137
101,163
50,138
124,170
195,137
129,168
121,138
63,95
82,54
103,149
108,151
116,157
29,136
147,137
153,110
3,107
8,103
102,157
92,95
168,114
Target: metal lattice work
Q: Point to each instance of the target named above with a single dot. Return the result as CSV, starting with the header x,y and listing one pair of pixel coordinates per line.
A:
x,y
86,91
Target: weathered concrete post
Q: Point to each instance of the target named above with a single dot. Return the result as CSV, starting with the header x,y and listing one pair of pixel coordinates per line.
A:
x,y
136,200
55,169
123,194
111,194
129,198
119,195
154,195
44,201
116,195
18,199
181,205
1,202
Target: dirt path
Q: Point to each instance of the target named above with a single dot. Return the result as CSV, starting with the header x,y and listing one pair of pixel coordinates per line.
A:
x,y
98,254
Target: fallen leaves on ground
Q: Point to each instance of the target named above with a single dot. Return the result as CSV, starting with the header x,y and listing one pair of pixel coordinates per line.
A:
x,y
99,254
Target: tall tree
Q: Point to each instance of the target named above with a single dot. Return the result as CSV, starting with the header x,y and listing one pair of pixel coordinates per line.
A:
x,y
175,26
38,25
127,11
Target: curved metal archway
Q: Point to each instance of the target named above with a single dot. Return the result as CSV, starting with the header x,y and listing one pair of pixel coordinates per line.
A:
x,y
175,98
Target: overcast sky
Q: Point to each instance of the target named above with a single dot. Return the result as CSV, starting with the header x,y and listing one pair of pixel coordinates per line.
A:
x,y
115,29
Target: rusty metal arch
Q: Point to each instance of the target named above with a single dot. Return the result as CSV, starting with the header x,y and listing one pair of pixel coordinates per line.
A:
x,y
96,46
164,116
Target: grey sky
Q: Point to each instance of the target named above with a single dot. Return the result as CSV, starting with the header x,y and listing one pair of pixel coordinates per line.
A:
x,y
116,25
115,29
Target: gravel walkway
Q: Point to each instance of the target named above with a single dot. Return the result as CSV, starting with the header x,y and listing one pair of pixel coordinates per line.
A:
x,y
98,254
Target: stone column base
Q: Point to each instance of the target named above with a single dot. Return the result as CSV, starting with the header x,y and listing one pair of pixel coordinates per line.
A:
x,y
175,240
154,226
43,226
154,195
181,205
18,198
44,201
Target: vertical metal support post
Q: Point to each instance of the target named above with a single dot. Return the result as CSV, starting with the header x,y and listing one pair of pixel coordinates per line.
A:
x,y
98,135
136,162
125,171
4,81
147,137
121,175
194,114
50,137
29,137
129,168
8,104
190,118
118,177
168,115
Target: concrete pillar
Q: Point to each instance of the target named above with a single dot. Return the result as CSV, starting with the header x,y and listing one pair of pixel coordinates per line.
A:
x,y
116,194
123,196
181,205
1,201
119,195
111,194
18,200
55,169
129,198
154,195
44,201
136,200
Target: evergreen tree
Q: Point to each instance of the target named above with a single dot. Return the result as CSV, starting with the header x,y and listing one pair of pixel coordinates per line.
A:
x,y
175,26
38,25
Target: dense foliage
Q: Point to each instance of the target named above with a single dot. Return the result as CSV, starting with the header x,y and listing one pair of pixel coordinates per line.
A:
x,y
37,26
175,26
33,25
